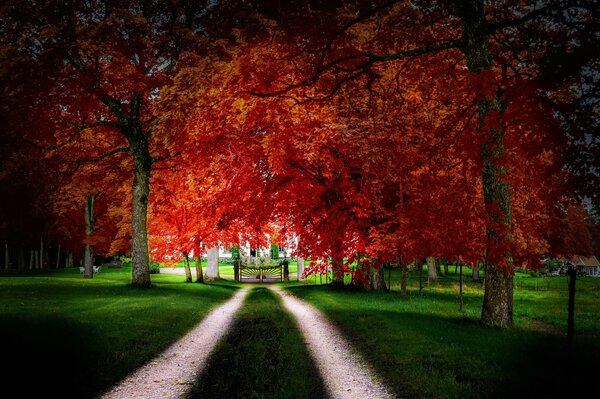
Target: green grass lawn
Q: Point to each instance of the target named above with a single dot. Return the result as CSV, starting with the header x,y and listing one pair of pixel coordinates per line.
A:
x,y
263,356
64,336
424,347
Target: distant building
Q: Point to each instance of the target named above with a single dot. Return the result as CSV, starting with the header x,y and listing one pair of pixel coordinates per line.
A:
x,y
586,265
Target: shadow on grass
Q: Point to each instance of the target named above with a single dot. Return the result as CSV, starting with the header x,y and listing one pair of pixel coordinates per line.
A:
x,y
48,357
422,353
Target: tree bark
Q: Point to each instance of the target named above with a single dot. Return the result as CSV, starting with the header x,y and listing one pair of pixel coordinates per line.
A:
x,y
140,268
186,266
337,272
475,275
498,295
432,274
300,269
375,278
31,259
199,274
446,271
212,268
88,263
404,280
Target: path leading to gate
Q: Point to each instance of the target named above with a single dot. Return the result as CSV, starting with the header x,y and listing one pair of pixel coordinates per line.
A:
x,y
345,374
172,373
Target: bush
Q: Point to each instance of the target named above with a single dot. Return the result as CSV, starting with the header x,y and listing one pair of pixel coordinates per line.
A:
x,y
235,252
154,267
274,251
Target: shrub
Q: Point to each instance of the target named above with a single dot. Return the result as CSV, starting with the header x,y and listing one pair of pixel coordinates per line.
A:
x,y
274,251
154,267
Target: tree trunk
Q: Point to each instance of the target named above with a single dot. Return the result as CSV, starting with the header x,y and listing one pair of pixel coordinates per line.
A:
x,y
140,269
419,264
375,278
88,262
337,272
212,268
497,299
58,257
199,274
6,257
31,259
286,271
432,274
572,276
21,258
438,266
88,258
446,271
404,280
300,269
42,263
186,266
460,290
475,275
498,295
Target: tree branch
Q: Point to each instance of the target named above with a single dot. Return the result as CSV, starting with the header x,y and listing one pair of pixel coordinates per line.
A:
x,y
373,58
73,166
79,129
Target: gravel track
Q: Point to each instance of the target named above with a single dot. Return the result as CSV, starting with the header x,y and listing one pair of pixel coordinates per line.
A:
x,y
172,373
345,374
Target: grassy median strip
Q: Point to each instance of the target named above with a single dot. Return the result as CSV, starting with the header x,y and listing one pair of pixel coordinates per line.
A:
x,y
263,356
424,347
69,337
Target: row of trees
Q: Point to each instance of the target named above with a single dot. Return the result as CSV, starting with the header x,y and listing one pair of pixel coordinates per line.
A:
x,y
372,131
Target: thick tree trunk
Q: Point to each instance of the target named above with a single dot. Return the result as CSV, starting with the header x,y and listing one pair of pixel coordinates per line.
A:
x,y
199,270
432,274
375,278
140,269
446,271
88,262
337,272
186,266
498,295
300,269
212,268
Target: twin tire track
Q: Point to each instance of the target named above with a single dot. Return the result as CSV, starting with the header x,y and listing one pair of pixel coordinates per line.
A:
x,y
172,373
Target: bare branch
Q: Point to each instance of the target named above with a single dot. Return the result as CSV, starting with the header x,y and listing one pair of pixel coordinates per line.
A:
x,y
165,157
73,166
79,129
373,58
